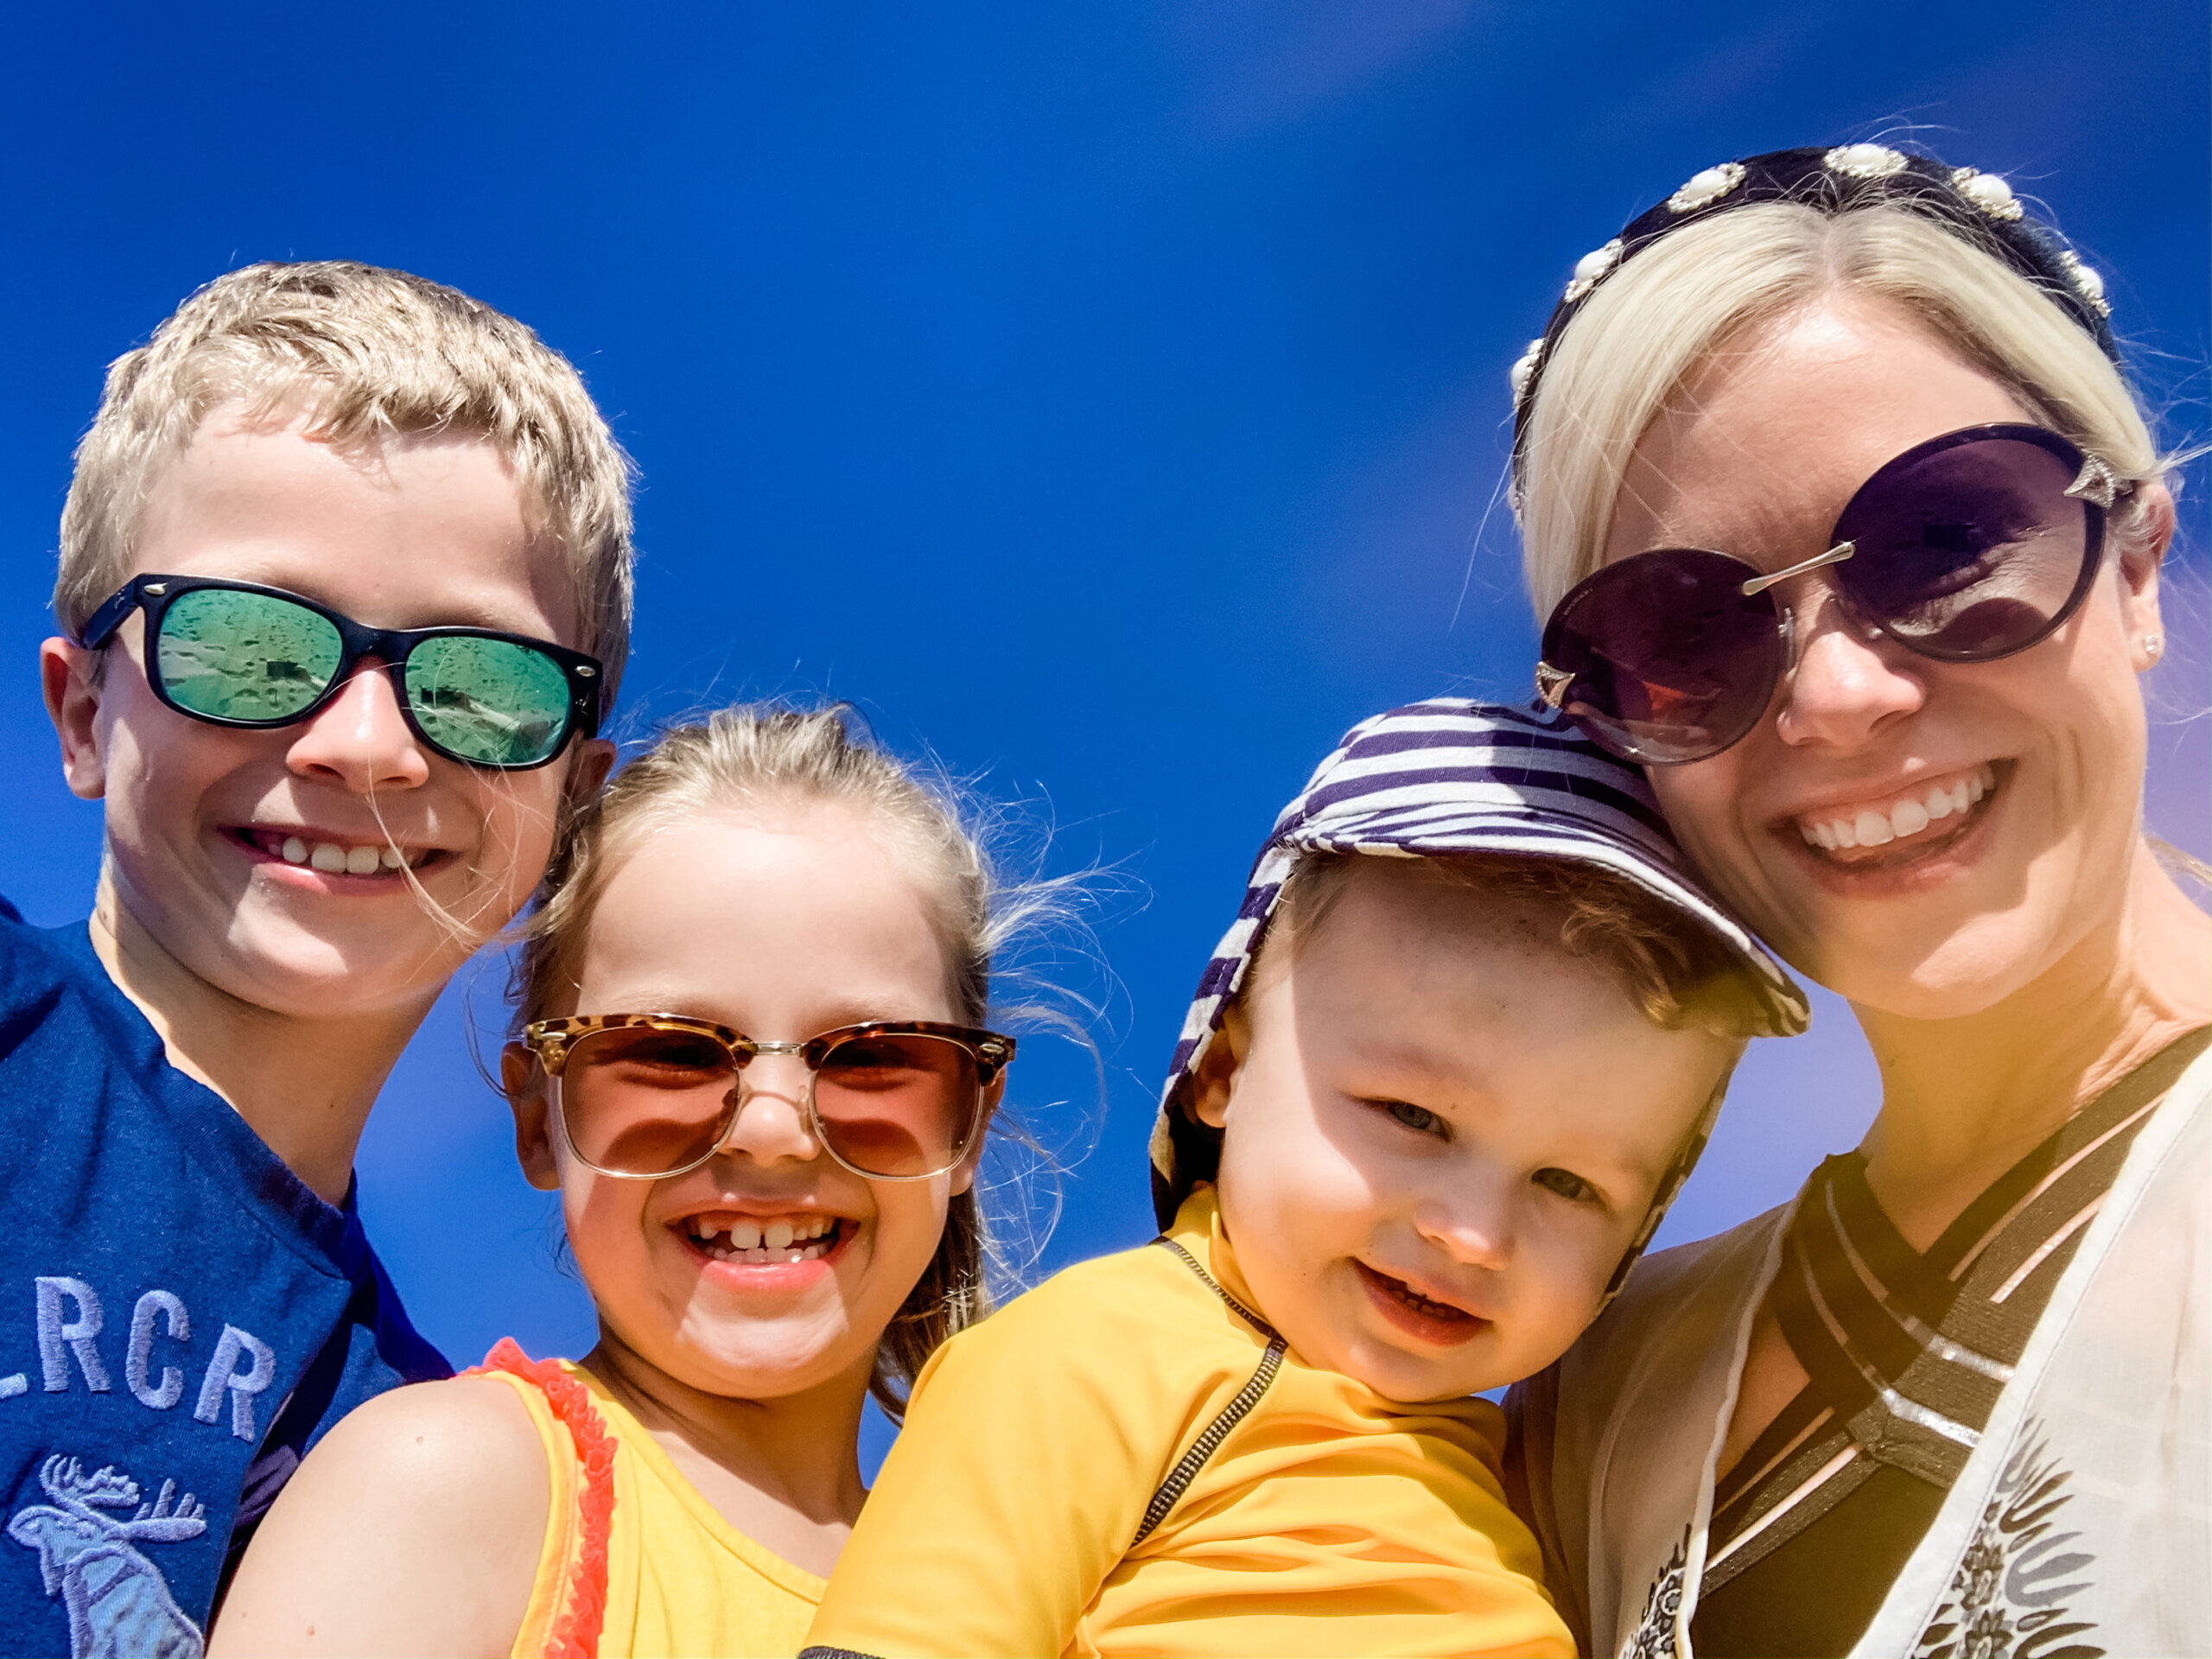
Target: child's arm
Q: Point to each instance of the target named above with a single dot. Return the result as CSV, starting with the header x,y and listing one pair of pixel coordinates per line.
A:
x,y
1032,1445
415,1527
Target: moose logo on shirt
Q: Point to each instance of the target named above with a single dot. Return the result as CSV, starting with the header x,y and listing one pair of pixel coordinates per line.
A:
x,y
119,1603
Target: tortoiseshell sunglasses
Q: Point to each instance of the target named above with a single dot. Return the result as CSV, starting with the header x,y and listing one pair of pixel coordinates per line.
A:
x,y
643,1096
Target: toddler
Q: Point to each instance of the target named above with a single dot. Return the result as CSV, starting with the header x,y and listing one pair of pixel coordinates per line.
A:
x,y
1440,1081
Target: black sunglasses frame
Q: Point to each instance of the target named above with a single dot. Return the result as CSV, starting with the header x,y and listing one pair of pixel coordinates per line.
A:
x,y
154,593
2097,487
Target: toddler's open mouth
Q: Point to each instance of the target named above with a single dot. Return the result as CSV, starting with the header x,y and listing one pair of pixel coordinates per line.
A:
x,y
1443,1324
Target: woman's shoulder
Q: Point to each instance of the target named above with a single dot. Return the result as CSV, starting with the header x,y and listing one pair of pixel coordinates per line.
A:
x,y
1663,1286
1672,1322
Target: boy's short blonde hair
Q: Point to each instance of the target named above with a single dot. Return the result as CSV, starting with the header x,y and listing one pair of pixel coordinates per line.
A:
x,y
369,353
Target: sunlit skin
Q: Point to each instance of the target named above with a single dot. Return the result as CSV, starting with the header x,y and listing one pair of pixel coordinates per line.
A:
x,y
2008,963
416,1527
289,990
1424,1093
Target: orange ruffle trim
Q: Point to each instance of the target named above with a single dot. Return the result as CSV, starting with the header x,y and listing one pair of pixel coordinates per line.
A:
x,y
574,1634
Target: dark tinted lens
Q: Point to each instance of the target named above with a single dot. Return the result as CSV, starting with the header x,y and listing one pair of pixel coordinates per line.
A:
x,y
245,656
488,702
1966,553
898,1105
641,1101
1672,661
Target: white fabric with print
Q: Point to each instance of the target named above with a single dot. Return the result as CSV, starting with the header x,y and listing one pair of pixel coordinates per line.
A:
x,y
2087,1502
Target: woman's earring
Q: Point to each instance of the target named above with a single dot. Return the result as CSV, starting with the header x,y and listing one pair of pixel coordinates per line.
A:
x,y
2154,646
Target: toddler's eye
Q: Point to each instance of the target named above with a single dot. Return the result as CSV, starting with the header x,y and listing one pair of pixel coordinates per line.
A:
x,y
1566,1184
1418,1119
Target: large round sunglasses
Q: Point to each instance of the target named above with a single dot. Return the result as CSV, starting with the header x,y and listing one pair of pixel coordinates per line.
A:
x,y
643,1096
232,653
1965,548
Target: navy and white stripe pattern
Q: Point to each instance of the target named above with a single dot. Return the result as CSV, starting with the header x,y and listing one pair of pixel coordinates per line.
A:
x,y
1448,777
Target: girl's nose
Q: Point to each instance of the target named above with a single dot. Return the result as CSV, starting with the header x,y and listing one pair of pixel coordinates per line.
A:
x,y
360,739
772,1122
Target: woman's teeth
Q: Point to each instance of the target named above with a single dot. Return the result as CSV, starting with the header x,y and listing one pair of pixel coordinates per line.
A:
x,y
332,858
1876,827
785,1239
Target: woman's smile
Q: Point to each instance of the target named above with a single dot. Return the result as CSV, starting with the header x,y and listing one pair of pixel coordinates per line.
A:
x,y
1906,822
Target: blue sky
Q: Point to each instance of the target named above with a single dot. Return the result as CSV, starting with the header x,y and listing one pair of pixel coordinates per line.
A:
x,y
1111,400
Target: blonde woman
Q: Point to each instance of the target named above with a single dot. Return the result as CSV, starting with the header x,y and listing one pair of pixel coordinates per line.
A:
x,y
1849,528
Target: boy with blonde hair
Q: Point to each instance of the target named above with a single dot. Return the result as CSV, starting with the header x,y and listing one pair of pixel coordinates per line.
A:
x,y
344,595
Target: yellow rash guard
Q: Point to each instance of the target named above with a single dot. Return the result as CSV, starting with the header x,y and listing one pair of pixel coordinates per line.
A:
x,y
1127,1460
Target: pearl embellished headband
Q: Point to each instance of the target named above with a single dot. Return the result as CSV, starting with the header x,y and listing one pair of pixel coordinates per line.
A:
x,y
1979,208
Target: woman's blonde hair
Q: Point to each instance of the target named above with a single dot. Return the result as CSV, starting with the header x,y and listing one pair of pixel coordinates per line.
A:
x,y
369,354
1646,329
778,756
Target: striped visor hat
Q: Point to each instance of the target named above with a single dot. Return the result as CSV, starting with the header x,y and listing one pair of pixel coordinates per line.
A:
x,y
1450,778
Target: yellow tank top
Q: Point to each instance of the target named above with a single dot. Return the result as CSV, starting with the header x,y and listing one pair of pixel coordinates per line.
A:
x,y
636,1563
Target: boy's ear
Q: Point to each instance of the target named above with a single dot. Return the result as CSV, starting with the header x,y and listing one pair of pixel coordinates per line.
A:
x,y
70,677
524,1083
1215,1079
593,759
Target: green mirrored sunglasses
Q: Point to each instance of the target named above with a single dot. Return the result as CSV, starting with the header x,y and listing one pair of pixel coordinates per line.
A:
x,y
232,653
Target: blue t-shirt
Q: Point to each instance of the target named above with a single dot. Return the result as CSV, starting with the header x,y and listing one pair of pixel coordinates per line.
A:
x,y
180,1316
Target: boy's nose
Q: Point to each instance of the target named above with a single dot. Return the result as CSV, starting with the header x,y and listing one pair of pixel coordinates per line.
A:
x,y
360,739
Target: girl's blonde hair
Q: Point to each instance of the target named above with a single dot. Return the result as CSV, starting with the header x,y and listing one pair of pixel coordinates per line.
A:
x,y
767,755
1643,332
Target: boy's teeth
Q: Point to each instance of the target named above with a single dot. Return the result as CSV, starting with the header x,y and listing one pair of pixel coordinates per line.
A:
x,y
744,1235
1871,828
333,859
777,1236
